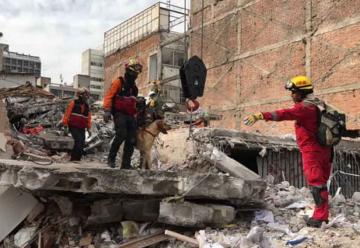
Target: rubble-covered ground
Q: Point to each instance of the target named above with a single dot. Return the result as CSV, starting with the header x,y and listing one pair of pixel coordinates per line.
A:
x,y
279,224
68,219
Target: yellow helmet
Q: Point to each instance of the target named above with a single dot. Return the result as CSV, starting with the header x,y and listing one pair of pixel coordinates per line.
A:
x,y
299,83
134,65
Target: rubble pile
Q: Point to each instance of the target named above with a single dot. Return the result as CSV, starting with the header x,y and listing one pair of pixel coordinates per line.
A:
x,y
37,122
66,222
281,223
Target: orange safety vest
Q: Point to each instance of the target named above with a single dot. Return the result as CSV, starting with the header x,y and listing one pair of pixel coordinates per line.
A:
x,y
79,116
125,100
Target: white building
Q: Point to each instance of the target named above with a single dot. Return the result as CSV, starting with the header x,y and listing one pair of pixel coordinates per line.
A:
x,y
92,64
17,69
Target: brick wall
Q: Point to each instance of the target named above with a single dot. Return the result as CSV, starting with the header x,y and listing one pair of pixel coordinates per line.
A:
x,y
251,47
114,63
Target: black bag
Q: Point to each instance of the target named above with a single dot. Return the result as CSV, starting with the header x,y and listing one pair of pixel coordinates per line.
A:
x,y
331,123
193,77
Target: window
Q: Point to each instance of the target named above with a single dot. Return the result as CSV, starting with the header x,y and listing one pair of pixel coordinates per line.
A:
x,y
153,67
98,87
96,63
96,79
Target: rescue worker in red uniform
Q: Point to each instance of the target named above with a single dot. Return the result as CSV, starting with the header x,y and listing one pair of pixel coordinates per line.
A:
x,y
316,158
120,103
77,118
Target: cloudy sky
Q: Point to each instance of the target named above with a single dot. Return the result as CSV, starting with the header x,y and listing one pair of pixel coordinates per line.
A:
x,y
60,30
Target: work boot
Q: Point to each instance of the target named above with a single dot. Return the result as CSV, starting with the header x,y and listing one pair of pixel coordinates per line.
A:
x,y
311,222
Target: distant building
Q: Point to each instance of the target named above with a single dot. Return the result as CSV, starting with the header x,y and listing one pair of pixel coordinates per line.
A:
x,y
152,38
8,80
61,90
92,64
43,82
81,81
17,69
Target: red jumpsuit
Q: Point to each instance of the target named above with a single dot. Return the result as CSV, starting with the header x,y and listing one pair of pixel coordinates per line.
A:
x,y
316,158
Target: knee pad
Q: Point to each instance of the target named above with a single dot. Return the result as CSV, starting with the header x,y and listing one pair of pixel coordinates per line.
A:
x,y
316,193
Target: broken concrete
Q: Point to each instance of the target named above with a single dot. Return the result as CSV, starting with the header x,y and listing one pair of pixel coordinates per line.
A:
x,y
15,206
56,142
229,165
191,214
94,179
106,211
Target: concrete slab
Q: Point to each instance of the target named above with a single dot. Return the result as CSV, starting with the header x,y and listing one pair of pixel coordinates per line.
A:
x,y
86,179
191,214
55,142
229,165
15,206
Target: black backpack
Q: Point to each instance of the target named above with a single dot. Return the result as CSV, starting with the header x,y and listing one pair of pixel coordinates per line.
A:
x,y
331,123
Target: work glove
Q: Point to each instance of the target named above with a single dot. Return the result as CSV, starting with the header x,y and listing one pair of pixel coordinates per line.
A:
x,y
251,119
66,130
107,116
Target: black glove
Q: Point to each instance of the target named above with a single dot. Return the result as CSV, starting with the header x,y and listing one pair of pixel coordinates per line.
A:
x,y
107,116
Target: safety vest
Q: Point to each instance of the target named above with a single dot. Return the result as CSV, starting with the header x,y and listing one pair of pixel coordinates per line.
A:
x,y
78,118
125,100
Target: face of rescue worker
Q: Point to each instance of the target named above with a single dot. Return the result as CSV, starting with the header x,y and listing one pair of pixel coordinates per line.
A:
x,y
130,75
296,96
83,97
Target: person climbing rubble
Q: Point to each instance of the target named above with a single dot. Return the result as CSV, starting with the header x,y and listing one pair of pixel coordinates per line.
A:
x,y
316,158
120,103
77,118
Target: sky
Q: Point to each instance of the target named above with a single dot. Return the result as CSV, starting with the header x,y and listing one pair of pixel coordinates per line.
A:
x,y
58,31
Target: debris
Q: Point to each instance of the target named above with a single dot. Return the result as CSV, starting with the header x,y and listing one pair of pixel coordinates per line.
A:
x,y
24,236
231,166
65,205
356,197
296,241
298,204
86,240
190,214
37,210
130,229
181,237
264,215
15,206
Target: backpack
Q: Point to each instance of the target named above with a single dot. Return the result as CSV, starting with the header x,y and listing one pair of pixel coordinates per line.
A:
x,y
331,123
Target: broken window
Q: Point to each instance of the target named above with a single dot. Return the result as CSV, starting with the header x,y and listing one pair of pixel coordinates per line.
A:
x,y
153,67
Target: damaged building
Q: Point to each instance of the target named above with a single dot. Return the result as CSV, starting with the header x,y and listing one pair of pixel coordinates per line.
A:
x,y
152,37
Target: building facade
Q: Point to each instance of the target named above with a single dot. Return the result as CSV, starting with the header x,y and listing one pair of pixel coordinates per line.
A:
x,y
12,62
17,69
61,90
252,47
149,37
81,81
92,64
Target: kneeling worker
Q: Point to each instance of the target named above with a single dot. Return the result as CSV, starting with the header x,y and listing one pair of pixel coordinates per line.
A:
x,y
77,118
